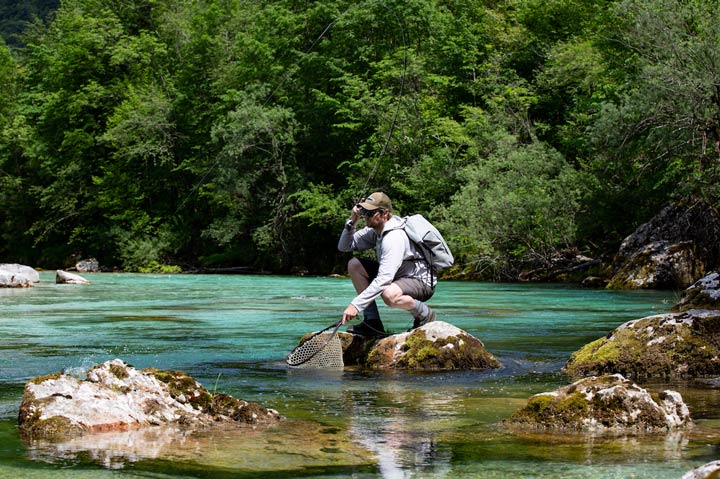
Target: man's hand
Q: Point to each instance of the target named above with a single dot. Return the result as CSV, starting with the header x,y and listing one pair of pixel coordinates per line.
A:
x,y
355,214
349,314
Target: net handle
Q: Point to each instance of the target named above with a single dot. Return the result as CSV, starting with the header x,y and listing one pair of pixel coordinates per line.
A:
x,y
332,335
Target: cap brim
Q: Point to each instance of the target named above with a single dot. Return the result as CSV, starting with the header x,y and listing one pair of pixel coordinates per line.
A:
x,y
368,206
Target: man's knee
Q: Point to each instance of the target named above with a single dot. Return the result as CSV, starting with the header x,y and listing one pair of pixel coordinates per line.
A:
x,y
355,266
391,295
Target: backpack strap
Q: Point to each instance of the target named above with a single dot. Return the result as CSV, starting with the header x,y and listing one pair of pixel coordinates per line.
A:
x,y
423,253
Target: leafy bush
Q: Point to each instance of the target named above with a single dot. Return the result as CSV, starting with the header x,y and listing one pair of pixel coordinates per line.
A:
x,y
517,206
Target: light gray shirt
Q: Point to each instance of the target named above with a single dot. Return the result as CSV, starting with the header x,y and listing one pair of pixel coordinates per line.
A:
x,y
397,257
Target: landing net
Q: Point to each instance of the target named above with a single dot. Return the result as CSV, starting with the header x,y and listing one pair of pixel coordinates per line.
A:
x,y
322,351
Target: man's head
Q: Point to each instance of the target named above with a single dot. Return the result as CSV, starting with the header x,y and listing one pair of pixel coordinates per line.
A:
x,y
375,209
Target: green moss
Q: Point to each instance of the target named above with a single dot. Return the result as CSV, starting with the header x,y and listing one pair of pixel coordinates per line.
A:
x,y
42,379
542,410
599,352
180,383
653,348
119,372
455,352
574,404
55,427
537,404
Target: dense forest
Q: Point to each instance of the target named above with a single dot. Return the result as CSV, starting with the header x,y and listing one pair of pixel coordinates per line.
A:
x,y
157,134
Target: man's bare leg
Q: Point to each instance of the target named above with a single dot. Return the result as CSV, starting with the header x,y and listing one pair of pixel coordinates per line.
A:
x,y
395,298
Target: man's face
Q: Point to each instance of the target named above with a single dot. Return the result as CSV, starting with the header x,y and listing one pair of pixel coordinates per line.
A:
x,y
373,218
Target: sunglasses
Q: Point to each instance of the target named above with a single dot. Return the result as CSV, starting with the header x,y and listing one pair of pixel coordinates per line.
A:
x,y
367,213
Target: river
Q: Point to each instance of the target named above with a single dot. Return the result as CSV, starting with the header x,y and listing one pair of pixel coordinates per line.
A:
x,y
232,333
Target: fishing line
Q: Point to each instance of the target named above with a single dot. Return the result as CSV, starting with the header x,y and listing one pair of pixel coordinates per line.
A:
x,y
397,109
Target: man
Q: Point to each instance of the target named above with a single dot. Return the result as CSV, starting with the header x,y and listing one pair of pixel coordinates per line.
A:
x,y
400,276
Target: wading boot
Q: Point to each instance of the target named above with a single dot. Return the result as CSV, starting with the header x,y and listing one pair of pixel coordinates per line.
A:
x,y
371,326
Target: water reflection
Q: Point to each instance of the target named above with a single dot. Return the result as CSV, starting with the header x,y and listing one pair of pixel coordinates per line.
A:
x,y
294,445
115,450
400,428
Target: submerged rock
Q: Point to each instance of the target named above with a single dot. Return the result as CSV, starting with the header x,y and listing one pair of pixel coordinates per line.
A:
x,y
63,277
117,397
223,450
608,403
434,346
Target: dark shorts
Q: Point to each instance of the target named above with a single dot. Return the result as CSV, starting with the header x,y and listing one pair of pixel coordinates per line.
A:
x,y
413,287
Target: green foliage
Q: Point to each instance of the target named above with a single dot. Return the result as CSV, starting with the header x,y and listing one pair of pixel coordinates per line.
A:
x,y
16,16
518,204
230,132
146,251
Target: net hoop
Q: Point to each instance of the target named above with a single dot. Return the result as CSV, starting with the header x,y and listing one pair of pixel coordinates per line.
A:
x,y
322,350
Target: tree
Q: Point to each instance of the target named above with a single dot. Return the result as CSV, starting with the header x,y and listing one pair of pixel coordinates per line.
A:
x,y
666,127
518,203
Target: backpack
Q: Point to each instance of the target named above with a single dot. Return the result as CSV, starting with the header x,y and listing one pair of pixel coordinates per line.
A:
x,y
429,241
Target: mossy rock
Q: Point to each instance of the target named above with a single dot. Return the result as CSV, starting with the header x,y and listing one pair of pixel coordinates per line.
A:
x,y
704,294
599,404
116,396
183,388
659,265
673,345
435,346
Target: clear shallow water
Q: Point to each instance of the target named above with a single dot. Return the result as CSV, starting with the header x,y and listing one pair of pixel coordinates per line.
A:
x,y
232,333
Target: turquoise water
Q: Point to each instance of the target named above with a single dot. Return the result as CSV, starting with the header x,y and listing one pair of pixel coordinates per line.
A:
x,y
232,334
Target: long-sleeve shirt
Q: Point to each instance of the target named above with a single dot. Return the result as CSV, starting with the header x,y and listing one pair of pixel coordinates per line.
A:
x,y
397,257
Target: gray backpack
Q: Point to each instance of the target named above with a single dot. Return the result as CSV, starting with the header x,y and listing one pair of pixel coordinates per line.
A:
x,y
429,241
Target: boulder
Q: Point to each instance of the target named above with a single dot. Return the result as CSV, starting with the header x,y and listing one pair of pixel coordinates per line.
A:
x,y
704,294
608,403
434,346
678,245
682,344
711,470
90,265
63,277
672,345
9,279
21,271
659,265
117,397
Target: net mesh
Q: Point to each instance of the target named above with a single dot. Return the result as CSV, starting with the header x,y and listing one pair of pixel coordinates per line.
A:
x,y
323,351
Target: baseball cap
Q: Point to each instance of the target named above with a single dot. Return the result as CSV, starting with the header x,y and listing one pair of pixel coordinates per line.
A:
x,y
375,201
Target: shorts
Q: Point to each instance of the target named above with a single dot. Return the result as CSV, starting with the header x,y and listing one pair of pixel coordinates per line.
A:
x,y
413,287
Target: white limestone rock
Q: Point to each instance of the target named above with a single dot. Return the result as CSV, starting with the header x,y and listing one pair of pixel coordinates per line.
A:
x,y
117,397
63,277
